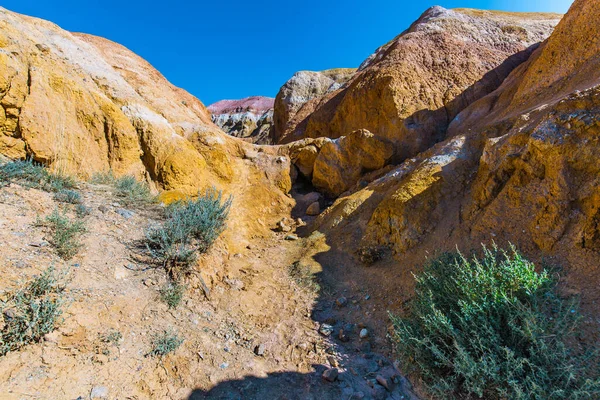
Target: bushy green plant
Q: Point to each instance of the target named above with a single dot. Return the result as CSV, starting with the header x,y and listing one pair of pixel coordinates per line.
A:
x,y
191,227
65,233
165,343
68,196
493,328
172,294
32,174
132,192
32,311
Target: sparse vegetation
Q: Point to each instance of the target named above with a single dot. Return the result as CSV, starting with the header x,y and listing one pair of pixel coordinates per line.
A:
x,y
112,337
32,311
172,294
302,275
31,174
132,192
370,254
65,233
191,228
68,196
103,178
82,210
165,343
493,328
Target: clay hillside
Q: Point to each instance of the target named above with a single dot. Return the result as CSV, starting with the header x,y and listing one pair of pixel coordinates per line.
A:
x,y
324,244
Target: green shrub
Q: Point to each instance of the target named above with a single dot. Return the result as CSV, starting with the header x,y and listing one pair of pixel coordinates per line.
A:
x,y
32,174
65,233
191,227
82,210
165,343
67,196
132,192
492,328
32,311
172,294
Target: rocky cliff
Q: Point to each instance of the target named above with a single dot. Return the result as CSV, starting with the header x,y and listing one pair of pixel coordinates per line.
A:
x,y
518,165
407,93
300,96
83,104
250,118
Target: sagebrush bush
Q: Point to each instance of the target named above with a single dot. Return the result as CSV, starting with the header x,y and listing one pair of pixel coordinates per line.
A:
x,y
68,196
65,233
493,328
191,228
32,311
172,294
132,192
31,174
165,343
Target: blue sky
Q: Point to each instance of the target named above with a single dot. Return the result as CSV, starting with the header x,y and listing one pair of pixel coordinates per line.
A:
x,y
234,49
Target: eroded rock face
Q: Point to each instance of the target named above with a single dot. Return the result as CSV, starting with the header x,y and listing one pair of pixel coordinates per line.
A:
x,y
519,165
411,88
250,118
83,104
299,97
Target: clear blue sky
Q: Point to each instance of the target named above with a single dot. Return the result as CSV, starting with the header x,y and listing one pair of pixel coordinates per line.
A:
x,y
234,49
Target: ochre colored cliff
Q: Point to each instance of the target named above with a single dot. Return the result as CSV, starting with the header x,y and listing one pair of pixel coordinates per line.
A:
x,y
83,104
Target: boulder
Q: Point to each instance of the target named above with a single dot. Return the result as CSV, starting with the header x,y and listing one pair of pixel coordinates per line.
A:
x,y
340,163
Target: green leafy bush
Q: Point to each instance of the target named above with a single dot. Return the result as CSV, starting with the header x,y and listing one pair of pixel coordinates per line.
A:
x,y
191,227
31,174
133,192
493,328
65,233
172,294
32,311
165,343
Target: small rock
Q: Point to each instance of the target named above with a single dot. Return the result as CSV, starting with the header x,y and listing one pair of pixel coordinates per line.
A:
x,y
342,336
385,382
43,243
325,329
291,237
363,333
259,350
330,374
124,213
341,301
224,365
313,209
52,337
102,208
148,282
300,222
332,361
283,227
99,392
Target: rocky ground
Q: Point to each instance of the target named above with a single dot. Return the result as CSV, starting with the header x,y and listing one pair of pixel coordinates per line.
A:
x,y
255,331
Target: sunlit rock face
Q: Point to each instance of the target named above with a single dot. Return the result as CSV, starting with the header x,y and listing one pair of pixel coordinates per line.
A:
x,y
82,104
